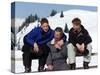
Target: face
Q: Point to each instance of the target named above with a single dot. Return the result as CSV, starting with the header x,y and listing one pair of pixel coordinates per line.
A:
x,y
57,35
76,26
45,27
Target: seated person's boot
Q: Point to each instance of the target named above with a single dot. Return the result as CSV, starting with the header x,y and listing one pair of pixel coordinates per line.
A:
x,y
73,66
86,65
41,69
27,70
86,52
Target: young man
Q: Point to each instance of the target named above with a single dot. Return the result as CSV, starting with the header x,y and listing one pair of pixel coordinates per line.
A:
x,y
58,54
79,41
35,45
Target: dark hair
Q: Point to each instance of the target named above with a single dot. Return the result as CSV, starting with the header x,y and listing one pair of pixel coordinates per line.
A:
x,y
59,29
44,20
76,20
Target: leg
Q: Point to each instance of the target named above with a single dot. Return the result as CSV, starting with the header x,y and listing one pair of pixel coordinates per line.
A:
x,y
27,61
88,57
42,59
71,55
27,57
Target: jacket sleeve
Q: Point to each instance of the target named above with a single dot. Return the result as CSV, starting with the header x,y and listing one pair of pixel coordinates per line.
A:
x,y
48,39
64,37
30,37
61,54
49,59
88,38
72,38
64,50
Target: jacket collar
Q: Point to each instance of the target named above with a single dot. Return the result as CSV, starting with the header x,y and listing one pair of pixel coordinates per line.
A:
x,y
52,41
42,29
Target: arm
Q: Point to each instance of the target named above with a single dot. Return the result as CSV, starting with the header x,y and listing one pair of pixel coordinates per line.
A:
x,y
72,38
64,50
49,38
62,53
88,39
62,41
64,37
49,59
30,37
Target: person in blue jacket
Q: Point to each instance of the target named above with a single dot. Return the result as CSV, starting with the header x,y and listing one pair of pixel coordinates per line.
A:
x,y
35,45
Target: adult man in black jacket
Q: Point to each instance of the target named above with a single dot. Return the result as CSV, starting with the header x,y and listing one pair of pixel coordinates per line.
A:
x,y
79,41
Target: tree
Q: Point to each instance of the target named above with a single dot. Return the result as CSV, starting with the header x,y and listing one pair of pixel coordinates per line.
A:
x,y
28,20
38,22
66,30
38,19
62,15
31,18
35,17
53,13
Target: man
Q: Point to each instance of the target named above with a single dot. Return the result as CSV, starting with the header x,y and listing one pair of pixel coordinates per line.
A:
x,y
35,45
58,54
79,41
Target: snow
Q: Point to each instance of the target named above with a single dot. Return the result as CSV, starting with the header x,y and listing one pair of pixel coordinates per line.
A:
x,y
89,20
19,68
17,22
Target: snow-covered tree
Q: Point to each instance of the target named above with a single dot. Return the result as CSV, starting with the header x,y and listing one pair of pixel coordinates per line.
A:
x,y
66,30
62,15
53,13
36,17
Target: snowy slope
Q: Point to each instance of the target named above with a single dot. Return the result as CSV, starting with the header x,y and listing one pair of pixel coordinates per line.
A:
x,y
23,32
89,20
17,22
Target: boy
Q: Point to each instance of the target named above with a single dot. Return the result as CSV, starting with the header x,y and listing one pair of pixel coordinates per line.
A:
x,y
79,41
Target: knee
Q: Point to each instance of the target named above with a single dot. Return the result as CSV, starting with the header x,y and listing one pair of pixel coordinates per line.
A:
x,y
89,46
70,45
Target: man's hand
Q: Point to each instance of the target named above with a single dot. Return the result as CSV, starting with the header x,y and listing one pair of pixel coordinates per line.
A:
x,y
57,46
60,43
35,48
50,67
80,47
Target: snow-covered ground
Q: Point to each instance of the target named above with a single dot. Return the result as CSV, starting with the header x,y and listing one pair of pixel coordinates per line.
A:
x,y
19,68
89,20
